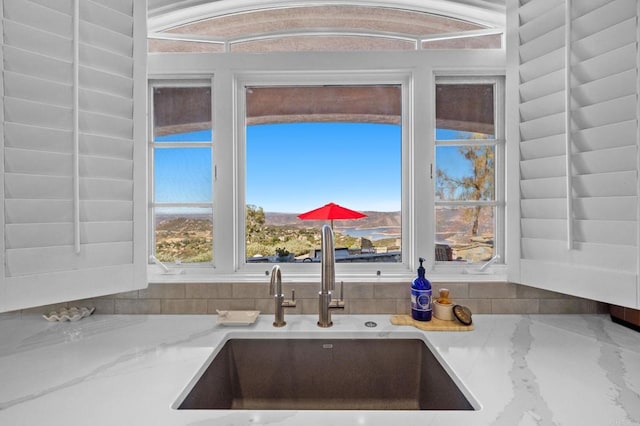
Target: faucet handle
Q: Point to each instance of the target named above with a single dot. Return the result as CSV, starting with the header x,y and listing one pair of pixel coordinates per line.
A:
x,y
338,303
290,303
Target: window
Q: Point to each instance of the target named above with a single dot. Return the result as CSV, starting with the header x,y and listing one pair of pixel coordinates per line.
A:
x,y
308,146
306,122
181,209
322,28
300,146
469,144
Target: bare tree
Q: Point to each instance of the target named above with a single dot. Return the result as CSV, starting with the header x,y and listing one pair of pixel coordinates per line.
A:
x,y
480,185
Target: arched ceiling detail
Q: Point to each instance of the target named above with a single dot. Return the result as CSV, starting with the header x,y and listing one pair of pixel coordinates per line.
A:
x,y
164,14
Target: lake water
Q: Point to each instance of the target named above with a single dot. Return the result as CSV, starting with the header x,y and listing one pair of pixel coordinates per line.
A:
x,y
372,234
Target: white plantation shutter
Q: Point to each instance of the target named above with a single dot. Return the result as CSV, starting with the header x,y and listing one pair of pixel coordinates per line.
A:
x,y
579,147
71,192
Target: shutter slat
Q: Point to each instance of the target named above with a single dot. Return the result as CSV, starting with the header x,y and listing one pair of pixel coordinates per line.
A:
x,y
56,187
37,187
602,17
101,81
21,236
542,86
603,113
605,161
543,168
52,259
546,43
105,103
106,17
37,16
610,63
106,61
551,19
604,41
543,208
22,86
33,64
550,146
122,6
614,232
581,8
108,125
542,107
51,211
543,65
108,168
64,6
105,39
608,136
105,189
38,162
36,114
605,184
37,41
606,208
106,211
542,127
548,229
105,146
544,188
605,89
531,10
36,138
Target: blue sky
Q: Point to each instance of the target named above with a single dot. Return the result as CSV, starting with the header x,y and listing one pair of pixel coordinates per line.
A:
x,y
300,166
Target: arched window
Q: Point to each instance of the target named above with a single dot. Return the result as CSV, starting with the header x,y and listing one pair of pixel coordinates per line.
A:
x,y
335,27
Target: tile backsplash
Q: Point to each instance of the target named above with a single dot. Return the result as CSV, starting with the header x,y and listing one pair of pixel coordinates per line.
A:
x,y
360,298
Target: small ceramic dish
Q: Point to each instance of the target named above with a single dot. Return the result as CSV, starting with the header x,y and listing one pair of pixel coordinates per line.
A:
x,y
69,314
237,317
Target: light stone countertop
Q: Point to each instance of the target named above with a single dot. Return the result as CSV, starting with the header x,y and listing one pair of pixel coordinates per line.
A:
x,y
129,370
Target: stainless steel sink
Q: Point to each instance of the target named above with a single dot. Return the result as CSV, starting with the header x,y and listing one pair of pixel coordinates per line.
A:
x,y
324,374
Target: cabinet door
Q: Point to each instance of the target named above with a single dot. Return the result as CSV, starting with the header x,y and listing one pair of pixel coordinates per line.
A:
x,y
577,89
74,150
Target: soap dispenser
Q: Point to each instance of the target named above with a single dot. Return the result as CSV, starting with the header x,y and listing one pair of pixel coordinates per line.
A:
x,y
421,296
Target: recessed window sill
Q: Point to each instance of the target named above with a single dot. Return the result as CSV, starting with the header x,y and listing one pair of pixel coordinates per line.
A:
x,y
496,273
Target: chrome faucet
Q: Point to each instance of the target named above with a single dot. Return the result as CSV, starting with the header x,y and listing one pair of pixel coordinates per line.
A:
x,y
275,290
328,280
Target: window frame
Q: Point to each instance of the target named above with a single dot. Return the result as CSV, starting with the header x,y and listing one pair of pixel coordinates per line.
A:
x,y
178,82
499,202
423,67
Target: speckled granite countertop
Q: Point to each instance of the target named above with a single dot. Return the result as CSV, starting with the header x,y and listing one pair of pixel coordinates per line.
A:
x,y
129,370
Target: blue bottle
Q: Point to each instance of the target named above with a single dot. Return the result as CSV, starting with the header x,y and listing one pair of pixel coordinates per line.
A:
x,y
421,296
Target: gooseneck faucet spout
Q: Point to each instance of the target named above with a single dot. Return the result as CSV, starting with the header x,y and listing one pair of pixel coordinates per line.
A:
x,y
275,290
327,280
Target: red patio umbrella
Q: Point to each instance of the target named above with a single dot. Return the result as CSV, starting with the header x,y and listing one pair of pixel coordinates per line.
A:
x,y
331,211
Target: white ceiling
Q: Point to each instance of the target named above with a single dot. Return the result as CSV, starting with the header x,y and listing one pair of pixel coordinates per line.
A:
x,y
165,14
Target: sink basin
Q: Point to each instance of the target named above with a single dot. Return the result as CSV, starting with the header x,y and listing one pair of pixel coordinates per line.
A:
x,y
324,374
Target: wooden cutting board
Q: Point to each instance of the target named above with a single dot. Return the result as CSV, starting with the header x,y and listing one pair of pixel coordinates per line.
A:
x,y
435,324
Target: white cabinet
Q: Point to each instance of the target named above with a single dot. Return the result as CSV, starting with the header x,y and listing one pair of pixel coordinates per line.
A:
x,y
574,96
74,150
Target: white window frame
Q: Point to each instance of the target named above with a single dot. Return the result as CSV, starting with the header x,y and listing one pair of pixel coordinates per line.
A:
x,y
152,145
500,164
418,71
